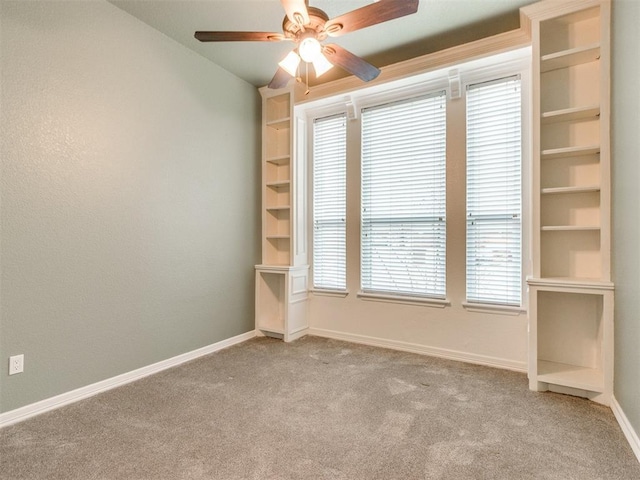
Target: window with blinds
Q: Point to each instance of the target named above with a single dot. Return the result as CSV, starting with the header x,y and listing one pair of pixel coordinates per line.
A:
x,y
403,197
494,192
329,202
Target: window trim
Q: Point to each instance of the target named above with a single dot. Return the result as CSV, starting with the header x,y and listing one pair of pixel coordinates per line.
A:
x,y
404,299
522,68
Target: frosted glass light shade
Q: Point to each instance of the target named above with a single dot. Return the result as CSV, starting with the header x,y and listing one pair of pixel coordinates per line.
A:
x,y
290,63
321,65
310,49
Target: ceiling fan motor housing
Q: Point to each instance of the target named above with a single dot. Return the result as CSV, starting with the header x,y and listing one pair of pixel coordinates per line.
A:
x,y
315,26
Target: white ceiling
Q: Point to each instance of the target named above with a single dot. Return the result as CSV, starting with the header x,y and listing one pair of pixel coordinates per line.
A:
x,y
438,24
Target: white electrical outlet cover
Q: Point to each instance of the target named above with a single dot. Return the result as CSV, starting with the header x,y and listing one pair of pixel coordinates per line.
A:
x,y
16,364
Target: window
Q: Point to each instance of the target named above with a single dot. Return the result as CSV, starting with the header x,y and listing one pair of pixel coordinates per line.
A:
x,y
329,202
403,197
494,158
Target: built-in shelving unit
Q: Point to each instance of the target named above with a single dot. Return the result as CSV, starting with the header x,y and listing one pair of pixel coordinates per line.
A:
x,y
570,293
281,279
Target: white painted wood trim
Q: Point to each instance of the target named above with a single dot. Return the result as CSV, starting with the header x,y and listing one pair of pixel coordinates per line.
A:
x,y
28,411
422,349
325,292
502,42
404,299
627,428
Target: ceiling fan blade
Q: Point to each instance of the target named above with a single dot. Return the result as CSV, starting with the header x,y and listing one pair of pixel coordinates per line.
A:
x,y
350,62
280,79
296,11
381,11
239,36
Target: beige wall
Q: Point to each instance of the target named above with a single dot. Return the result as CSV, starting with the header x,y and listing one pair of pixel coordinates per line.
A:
x,y
626,204
129,197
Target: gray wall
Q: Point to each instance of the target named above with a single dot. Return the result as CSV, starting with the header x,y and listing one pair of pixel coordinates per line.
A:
x,y
129,198
626,204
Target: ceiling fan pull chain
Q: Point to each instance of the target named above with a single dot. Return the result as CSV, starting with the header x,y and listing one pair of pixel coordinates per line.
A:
x,y
306,68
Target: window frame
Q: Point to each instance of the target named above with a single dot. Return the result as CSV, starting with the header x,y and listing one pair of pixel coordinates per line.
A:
x,y
502,215
312,171
453,76
364,292
522,67
310,115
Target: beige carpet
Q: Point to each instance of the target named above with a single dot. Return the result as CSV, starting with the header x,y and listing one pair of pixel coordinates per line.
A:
x,y
321,409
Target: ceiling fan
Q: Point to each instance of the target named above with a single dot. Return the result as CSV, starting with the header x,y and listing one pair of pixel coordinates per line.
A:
x,y
307,27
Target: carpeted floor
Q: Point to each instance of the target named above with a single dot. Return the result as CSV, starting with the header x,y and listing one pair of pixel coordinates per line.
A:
x,y
321,409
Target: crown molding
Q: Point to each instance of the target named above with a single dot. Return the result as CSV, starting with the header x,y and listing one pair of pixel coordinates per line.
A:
x,y
496,44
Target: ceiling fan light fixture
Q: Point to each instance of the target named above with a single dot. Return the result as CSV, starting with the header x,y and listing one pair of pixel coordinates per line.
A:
x,y
307,27
310,49
321,65
290,63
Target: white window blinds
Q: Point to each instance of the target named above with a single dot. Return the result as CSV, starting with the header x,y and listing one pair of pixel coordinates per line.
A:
x,y
403,197
329,202
494,158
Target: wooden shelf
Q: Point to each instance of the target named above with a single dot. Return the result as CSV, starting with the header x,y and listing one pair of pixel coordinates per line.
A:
x,y
569,190
570,228
569,58
570,152
279,184
273,328
278,237
279,207
570,114
571,282
572,376
279,160
280,123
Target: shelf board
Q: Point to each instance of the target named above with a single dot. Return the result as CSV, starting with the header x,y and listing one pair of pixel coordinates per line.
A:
x,y
570,151
570,228
279,160
572,376
278,184
280,123
279,207
571,282
569,58
278,237
569,114
272,328
569,190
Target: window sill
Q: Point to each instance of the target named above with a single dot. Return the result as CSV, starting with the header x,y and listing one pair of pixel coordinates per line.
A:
x,y
407,300
329,293
495,309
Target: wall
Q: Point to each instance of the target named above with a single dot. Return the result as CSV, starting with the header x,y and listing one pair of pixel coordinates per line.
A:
x,y
129,197
626,198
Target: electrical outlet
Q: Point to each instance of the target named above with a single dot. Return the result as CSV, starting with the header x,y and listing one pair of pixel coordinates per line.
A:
x,y
16,364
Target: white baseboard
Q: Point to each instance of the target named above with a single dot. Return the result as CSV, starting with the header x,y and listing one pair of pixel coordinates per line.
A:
x,y
28,411
422,349
627,428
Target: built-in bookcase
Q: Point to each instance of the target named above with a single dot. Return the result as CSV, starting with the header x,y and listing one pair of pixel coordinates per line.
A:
x,y
277,140
281,279
570,293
